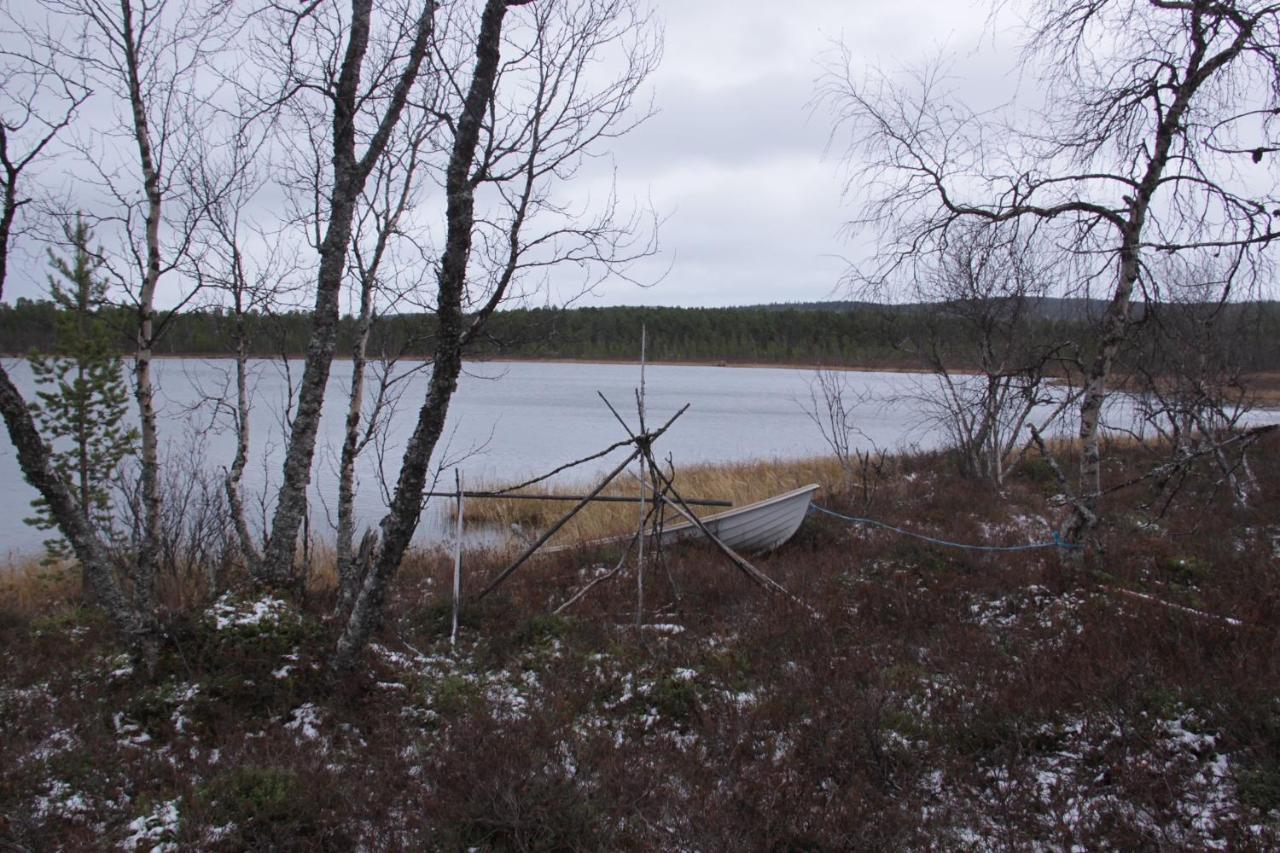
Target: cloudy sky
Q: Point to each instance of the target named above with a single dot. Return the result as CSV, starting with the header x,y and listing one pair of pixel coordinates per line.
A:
x,y
736,157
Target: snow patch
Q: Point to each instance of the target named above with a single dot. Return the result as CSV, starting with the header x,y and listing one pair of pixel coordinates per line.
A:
x,y
304,721
154,831
131,734
61,801
663,628
58,742
227,612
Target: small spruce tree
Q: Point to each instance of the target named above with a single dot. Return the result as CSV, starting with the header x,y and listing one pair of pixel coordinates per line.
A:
x,y
82,397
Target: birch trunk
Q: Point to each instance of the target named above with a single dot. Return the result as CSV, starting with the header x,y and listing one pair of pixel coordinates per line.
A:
x,y
348,573
401,521
350,566
277,565
349,179
144,389
235,498
1114,327
1115,321
34,460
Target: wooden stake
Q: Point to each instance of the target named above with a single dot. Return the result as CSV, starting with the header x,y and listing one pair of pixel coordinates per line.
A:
x,y
457,560
642,459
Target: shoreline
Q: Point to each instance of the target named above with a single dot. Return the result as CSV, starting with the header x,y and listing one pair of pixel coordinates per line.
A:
x,y
1266,393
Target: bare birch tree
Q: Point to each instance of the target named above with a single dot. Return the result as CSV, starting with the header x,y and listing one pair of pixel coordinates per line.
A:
x,y
527,106
1152,139
377,233
357,68
146,60
1188,372
835,408
237,263
986,343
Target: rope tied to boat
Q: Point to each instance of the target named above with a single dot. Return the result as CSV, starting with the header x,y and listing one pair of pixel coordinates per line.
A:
x,y
1055,543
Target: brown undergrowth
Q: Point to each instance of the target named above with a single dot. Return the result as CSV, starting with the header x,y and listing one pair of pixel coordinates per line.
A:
x,y
931,698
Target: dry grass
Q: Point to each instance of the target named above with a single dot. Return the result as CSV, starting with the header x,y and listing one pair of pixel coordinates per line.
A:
x,y
1264,389
1261,389
32,587
743,484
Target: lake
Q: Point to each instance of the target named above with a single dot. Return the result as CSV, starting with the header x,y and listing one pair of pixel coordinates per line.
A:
x,y
508,421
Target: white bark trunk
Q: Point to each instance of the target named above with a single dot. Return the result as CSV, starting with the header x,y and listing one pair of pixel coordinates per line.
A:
x,y
144,389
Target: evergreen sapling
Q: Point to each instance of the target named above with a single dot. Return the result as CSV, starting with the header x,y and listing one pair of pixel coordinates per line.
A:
x,y
82,398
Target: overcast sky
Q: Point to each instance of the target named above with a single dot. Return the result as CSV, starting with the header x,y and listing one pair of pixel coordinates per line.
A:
x,y
736,157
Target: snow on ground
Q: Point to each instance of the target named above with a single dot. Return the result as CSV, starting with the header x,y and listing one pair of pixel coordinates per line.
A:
x,y
229,612
154,831
58,742
131,734
1061,789
1034,608
662,628
61,801
304,721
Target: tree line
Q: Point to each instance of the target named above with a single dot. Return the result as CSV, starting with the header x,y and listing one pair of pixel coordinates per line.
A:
x,y
839,334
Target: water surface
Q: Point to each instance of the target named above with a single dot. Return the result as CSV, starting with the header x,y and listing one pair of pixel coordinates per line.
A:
x,y
508,421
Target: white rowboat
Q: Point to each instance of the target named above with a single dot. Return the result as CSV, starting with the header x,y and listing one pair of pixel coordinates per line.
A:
x,y
757,527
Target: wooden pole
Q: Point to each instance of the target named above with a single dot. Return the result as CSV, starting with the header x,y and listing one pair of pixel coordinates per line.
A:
x,y
457,560
597,499
528,552
643,457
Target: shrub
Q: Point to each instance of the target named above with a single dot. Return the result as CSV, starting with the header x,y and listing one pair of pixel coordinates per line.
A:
x,y
266,808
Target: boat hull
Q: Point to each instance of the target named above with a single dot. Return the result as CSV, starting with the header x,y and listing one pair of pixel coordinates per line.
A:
x,y
757,527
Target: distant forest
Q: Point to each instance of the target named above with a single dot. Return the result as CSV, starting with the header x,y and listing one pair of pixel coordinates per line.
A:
x,y
834,333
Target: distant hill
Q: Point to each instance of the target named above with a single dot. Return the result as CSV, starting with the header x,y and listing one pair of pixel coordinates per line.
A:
x,y
1051,308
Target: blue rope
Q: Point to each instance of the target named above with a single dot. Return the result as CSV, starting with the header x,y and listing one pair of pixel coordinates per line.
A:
x,y
1056,543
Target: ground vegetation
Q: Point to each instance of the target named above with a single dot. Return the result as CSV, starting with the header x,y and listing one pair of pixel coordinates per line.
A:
x,y
931,697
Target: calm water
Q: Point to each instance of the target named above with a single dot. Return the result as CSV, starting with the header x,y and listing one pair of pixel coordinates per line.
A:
x,y
508,421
